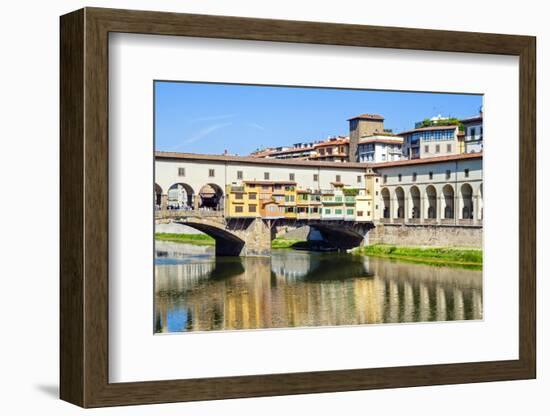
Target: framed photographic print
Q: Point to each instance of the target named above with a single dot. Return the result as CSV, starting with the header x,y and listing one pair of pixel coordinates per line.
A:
x,y
255,207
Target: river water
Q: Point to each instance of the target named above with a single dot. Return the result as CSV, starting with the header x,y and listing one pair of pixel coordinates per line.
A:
x,y
196,291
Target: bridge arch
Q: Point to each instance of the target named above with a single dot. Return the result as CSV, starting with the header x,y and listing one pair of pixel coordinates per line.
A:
x,y
227,243
180,195
211,197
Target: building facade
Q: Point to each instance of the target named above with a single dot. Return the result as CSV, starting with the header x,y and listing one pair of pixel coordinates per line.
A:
x,y
433,141
445,190
380,148
473,134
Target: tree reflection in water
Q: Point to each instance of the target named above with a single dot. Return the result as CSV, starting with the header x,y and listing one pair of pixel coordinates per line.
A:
x,y
196,291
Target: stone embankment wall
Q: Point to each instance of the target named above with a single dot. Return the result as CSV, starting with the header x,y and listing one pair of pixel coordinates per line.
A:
x,y
426,235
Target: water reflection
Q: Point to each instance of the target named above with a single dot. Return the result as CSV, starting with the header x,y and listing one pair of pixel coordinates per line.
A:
x,y
196,291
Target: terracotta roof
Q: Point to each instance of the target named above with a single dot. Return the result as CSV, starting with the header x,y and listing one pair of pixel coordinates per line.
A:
x,y
257,161
429,128
334,142
368,116
292,150
428,160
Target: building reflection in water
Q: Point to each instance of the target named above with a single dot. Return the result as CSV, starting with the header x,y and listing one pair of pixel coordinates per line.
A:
x,y
196,291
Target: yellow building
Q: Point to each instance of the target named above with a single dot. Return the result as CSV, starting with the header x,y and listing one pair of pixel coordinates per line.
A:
x,y
242,201
366,202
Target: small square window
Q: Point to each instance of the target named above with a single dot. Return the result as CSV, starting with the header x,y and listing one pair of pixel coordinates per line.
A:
x,y
338,178
239,174
449,148
291,176
466,173
437,148
358,178
211,173
448,174
399,177
414,176
266,176
181,171
315,177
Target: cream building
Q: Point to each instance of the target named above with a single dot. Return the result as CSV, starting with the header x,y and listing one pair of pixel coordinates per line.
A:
x,y
445,190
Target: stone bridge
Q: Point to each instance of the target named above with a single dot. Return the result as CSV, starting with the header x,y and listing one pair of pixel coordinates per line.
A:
x,y
253,236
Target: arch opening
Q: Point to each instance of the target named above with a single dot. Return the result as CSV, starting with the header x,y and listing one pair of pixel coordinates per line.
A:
x,y
448,202
400,198
386,203
415,199
157,195
431,196
467,202
211,197
180,196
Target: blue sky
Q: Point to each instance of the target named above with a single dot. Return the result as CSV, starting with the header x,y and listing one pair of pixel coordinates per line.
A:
x,y
211,118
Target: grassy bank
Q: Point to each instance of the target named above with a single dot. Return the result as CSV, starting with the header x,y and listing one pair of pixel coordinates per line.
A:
x,y
203,239
283,243
451,256
199,239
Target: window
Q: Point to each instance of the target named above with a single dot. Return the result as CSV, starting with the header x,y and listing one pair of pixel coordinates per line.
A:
x,y
385,178
431,175
181,171
466,173
327,211
349,211
252,208
376,193
399,177
437,148
252,195
448,174
239,196
358,178
211,173
291,176
239,174
359,213
239,208
338,211
338,178
472,131
315,177
266,176
449,147
376,180
414,176
426,149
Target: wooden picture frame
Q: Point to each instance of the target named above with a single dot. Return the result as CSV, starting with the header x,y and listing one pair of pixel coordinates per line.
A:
x,y
84,207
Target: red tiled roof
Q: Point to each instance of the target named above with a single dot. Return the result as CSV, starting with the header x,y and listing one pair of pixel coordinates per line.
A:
x,y
428,160
257,161
368,116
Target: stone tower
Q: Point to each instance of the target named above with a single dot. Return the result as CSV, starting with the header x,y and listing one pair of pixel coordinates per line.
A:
x,y
363,125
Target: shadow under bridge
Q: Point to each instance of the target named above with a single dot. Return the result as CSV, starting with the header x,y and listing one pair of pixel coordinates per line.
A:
x,y
343,236
227,242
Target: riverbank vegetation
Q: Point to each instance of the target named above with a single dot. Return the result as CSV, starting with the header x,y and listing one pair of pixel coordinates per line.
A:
x,y
206,240
199,239
465,257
